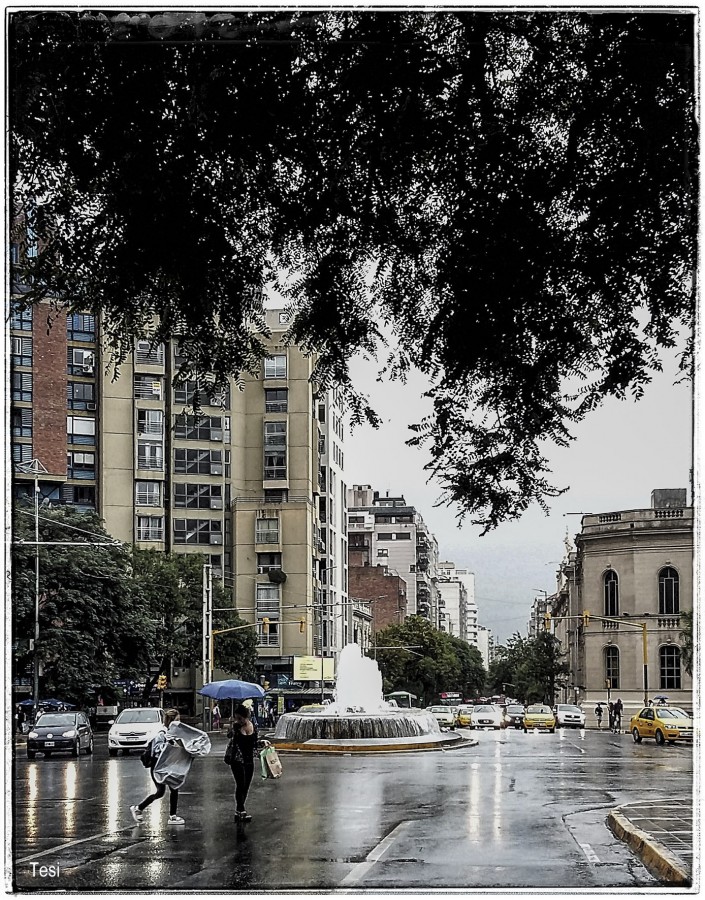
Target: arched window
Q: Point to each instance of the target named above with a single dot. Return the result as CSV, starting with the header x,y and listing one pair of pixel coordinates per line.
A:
x,y
611,585
668,593
612,667
669,658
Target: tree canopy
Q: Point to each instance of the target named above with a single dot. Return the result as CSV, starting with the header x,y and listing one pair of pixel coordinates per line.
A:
x,y
532,669
510,194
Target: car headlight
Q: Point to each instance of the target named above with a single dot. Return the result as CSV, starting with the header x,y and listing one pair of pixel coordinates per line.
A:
x,y
33,734
70,733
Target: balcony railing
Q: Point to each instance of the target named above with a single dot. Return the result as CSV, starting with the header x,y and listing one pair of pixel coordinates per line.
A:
x,y
145,499
150,534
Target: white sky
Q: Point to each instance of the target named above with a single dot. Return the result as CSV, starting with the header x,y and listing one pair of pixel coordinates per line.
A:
x,y
622,452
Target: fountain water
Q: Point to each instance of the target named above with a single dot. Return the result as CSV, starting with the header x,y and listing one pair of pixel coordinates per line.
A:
x,y
359,719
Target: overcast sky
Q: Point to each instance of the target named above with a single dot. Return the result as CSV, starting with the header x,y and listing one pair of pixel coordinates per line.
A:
x,y
621,453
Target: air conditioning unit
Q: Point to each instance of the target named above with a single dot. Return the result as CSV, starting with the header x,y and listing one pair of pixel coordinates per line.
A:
x,y
90,406
216,434
216,469
87,369
216,503
216,539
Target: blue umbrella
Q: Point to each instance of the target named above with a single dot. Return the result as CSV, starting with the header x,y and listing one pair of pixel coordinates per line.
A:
x,y
52,702
231,689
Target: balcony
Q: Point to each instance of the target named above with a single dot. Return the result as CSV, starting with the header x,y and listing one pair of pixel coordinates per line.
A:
x,y
150,534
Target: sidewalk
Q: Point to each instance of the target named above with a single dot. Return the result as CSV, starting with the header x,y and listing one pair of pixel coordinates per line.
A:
x,y
660,832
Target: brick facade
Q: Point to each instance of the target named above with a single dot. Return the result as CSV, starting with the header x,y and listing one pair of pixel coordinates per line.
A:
x,y
388,591
49,389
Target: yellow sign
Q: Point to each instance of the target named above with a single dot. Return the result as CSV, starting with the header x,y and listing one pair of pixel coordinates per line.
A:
x,y
308,668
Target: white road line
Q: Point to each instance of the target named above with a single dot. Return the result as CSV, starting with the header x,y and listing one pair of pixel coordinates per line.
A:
x,y
589,853
93,837
374,856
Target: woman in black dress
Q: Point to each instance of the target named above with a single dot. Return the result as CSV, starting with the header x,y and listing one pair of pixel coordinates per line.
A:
x,y
243,732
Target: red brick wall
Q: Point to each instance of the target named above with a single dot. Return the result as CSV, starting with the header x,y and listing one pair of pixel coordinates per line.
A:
x,y
49,389
387,591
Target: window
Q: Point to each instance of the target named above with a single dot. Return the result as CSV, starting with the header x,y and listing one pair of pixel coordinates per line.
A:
x,y
80,327
276,495
21,319
275,366
274,450
22,423
403,536
198,428
22,387
267,606
198,496
14,254
80,395
148,493
147,387
385,536
150,421
21,351
669,657
80,430
357,520
612,667
668,592
198,462
276,400
150,528
611,591
80,465
267,531
78,495
383,520
267,562
382,551
191,393
21,453
198,531
79,361
149,355
150,455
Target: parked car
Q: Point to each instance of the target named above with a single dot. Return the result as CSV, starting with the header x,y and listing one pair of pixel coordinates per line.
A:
x,y
569,716
444,715
662,723
540,717
134,729
463,716
514,716
61,732
488,716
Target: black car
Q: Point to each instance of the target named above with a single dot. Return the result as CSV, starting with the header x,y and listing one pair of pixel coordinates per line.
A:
x,y
60,732
514,716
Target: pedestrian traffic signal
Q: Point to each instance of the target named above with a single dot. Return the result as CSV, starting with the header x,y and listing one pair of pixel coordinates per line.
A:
x,y
265,625
161,682
586,618
302,624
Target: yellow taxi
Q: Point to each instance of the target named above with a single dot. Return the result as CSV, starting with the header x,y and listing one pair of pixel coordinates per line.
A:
x,y
540,717
663,723
463,716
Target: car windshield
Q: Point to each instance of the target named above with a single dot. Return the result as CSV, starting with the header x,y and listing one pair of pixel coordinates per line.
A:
x,y
54,719
464,710
485,709
439,709
565,707
681,713
513,710
669,714
130,716
539,709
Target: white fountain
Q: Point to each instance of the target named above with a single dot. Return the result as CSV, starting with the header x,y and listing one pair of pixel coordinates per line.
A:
x,y
359,719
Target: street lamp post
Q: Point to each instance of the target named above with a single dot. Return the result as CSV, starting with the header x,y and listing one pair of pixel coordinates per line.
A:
x,y
207,628
35,468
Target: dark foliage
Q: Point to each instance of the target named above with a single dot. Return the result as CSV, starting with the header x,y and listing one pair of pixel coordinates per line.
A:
x,y
510,194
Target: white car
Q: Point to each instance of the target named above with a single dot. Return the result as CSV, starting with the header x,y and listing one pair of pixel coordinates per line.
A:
x,y
134,729
569,716
490,716
444,715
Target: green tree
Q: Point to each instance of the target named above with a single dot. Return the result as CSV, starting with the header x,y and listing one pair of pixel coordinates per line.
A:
x,y
686,635
512,194
170,587
90,621
535,667
433,663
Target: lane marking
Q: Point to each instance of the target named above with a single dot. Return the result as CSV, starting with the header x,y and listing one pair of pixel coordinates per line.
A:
x,y
374,856
590,854
93,837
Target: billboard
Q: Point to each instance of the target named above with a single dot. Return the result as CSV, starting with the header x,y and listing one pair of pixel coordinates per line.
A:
x,y
308,668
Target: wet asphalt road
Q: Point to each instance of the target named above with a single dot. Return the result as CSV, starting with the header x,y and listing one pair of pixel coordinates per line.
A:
x,y
515,811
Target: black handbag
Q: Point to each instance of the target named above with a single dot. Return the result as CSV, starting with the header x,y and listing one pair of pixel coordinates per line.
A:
x,y
228,758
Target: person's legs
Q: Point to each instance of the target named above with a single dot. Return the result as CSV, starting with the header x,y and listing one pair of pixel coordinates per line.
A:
x,y
173,800
240,785
159,792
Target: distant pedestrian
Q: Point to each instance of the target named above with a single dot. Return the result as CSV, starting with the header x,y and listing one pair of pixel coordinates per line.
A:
x,y
243,733
598,715
610,715
618,708
216,717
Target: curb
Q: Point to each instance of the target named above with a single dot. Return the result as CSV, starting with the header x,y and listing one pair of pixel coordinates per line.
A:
x,y
658,859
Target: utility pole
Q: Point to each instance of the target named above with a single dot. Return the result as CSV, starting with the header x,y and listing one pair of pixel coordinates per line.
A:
x,y
207,626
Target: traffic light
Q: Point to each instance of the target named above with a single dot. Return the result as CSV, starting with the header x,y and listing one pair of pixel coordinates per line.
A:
x,y
547,621
586,618
161,682
265,625
302,624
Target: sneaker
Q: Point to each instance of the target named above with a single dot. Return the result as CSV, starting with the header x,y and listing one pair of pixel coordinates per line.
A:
x,y
244,817
175,820
137,814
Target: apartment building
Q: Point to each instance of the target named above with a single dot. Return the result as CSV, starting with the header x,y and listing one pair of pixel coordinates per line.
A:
x,y
254,482
389,532
454,600
471,612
